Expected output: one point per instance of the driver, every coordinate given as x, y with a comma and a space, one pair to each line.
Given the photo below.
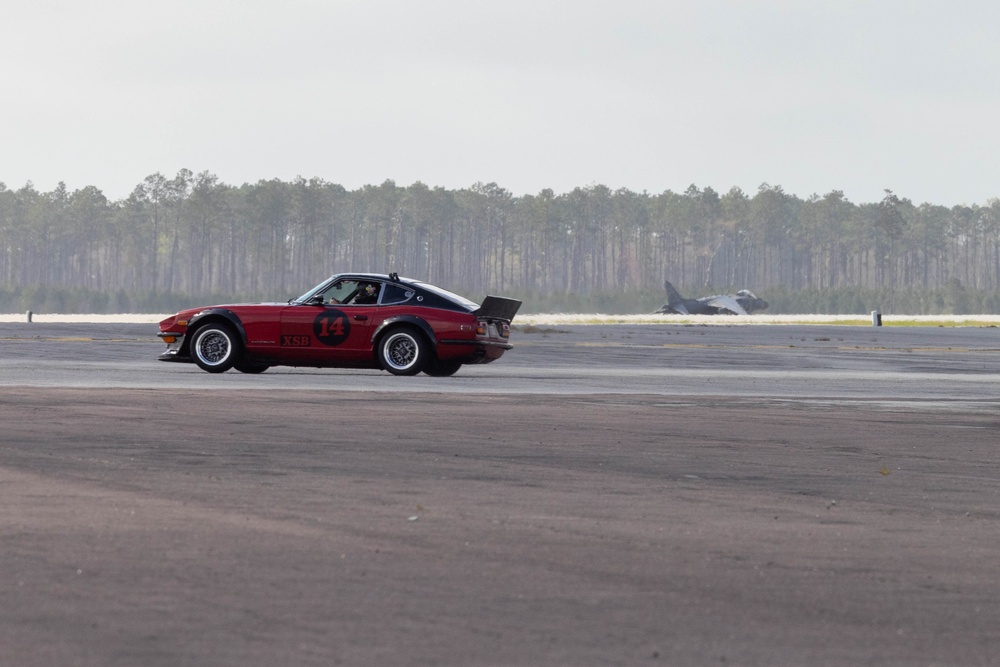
367, 293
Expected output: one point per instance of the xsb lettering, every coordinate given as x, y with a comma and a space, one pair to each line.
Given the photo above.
296, 341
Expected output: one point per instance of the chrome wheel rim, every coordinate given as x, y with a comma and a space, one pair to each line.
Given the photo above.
401, 351
213, 347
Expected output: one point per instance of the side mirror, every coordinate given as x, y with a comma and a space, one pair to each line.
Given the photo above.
316, 300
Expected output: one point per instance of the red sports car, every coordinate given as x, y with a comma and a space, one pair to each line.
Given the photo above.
362, 320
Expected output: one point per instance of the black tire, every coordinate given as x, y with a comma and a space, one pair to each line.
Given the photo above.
442, 369
250, 367
216, 348
403, 351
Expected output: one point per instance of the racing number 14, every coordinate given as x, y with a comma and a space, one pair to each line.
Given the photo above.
331, 326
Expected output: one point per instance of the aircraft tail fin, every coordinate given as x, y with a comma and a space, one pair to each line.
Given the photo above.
673, 296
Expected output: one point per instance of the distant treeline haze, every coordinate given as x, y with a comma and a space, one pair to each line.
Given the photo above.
191, 237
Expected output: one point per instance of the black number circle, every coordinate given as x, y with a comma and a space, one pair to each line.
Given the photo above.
331, 327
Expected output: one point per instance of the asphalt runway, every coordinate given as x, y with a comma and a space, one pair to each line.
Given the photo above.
660, 494
789, 361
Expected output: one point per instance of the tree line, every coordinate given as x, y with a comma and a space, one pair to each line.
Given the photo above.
192, 236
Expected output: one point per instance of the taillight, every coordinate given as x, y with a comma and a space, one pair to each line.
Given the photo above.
487, 329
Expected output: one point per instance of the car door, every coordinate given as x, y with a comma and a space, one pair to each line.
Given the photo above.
334, 332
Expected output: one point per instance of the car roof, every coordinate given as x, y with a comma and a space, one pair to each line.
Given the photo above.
412, 282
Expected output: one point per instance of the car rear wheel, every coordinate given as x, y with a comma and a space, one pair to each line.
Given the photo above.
216, 348
442, 369
403, 351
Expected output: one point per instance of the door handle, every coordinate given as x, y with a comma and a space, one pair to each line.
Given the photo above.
361, 318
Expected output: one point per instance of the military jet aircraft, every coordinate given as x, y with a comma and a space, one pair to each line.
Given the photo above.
741, 303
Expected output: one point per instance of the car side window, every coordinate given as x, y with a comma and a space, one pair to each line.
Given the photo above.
353, 293
366, 294
395, 294
340, 291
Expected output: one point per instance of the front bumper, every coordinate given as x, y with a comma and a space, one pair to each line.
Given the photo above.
174, 349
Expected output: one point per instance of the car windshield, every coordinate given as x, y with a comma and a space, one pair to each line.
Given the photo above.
311, 293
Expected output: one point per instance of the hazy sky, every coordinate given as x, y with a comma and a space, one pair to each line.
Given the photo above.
811, 95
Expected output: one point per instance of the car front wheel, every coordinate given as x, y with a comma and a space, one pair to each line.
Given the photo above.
250, 367
442, 369
216, 348
403, 352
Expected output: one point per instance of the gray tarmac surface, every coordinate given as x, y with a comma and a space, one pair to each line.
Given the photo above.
767, 495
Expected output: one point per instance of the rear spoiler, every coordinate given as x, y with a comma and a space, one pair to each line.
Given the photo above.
498, 306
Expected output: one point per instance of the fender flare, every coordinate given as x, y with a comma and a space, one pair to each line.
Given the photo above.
405, 319
216, 314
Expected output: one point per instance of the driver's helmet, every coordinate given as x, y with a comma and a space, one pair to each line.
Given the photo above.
369, 291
